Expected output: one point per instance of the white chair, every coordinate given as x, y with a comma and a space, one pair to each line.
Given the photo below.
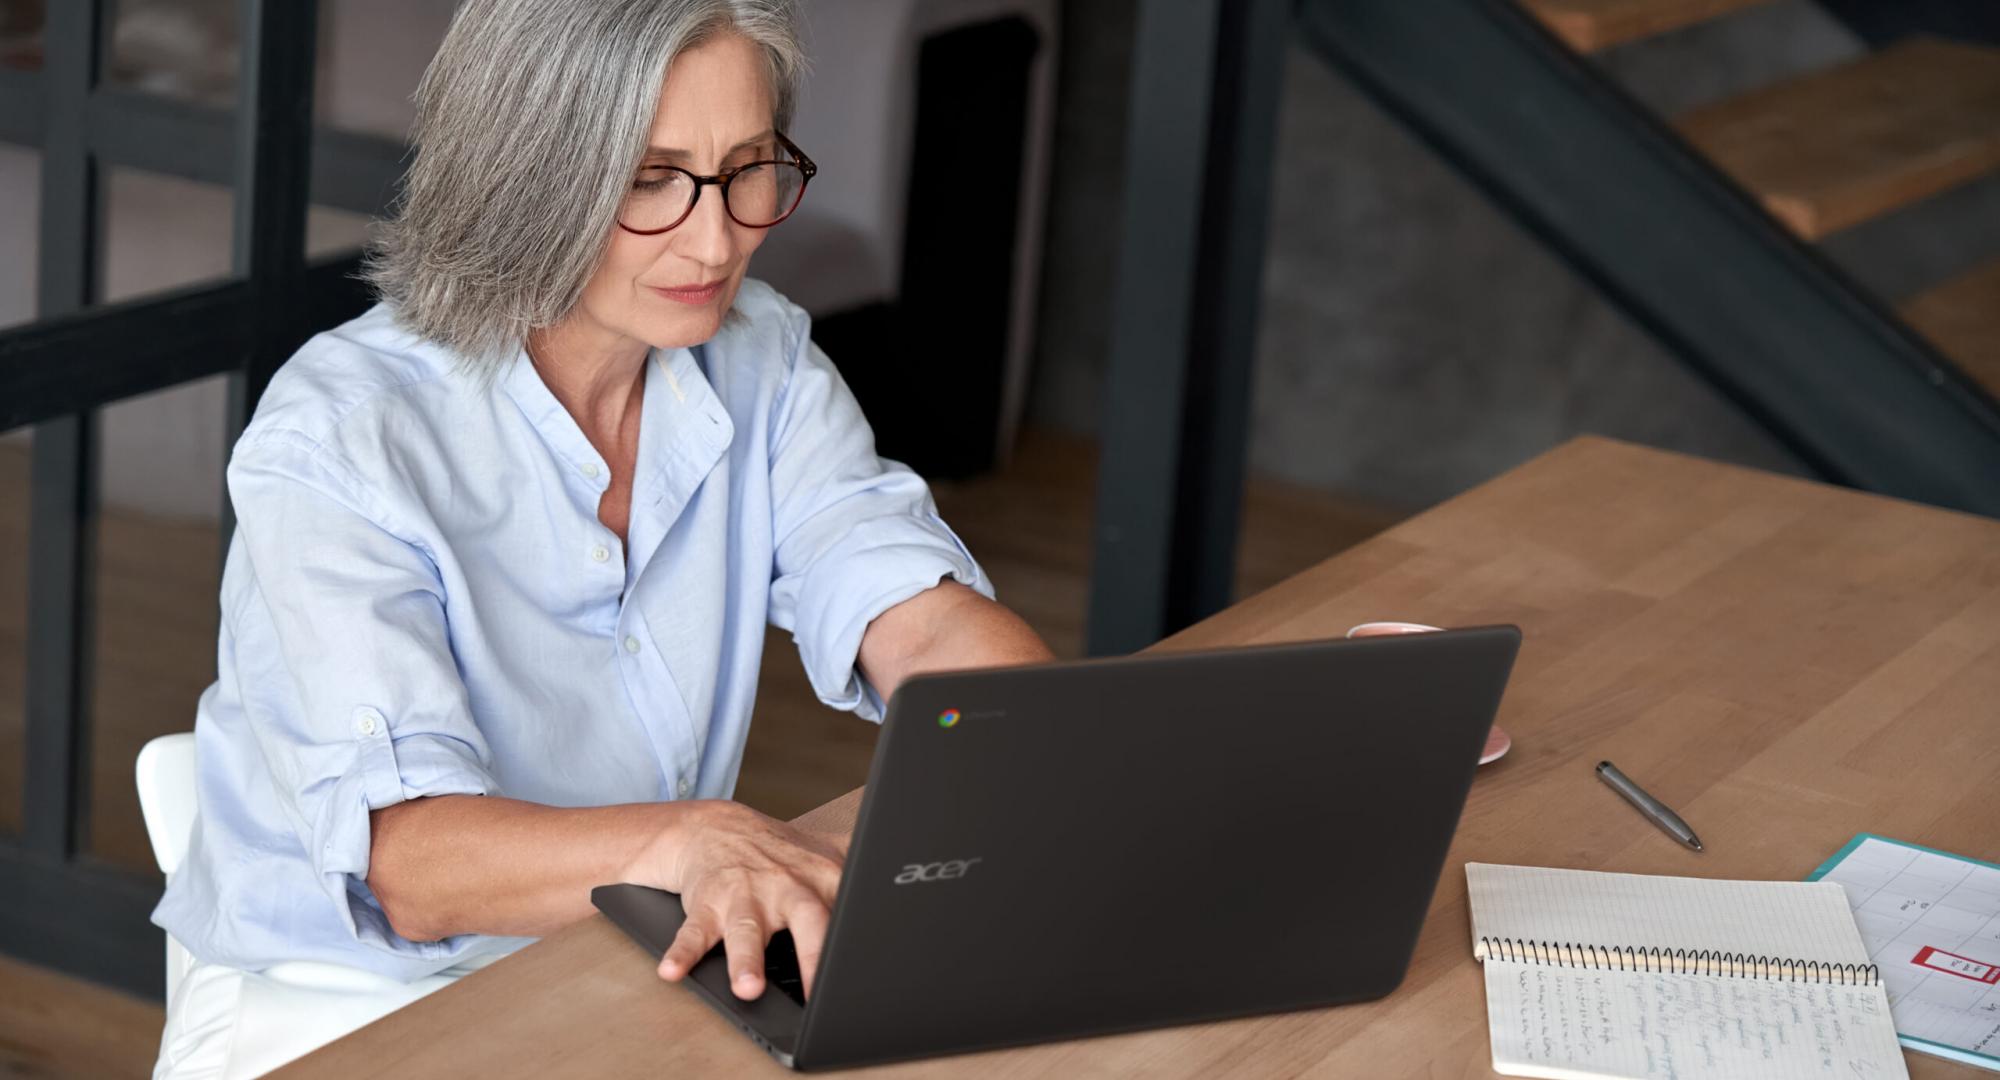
167, 802
299, 1004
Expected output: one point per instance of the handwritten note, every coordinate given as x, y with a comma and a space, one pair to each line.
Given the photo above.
1576, 1022
1932, 922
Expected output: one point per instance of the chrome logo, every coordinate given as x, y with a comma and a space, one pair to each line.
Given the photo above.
948, 717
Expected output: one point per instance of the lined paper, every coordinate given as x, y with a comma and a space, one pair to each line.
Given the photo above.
1565, 1023
1793, 920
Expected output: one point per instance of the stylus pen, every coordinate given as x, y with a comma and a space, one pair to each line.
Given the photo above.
1649, 806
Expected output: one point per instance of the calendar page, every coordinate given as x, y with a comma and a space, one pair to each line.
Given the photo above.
1931, 923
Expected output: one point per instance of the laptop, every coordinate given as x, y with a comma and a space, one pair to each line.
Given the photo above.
1082, 848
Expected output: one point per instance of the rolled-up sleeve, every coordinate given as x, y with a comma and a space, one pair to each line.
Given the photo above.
378, 714
854, 535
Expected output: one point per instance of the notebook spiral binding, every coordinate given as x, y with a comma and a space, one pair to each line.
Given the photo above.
1678, 962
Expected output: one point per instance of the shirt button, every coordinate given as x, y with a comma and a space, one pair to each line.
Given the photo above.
591, 470
631, 644
684, 787
368, 721
600, 553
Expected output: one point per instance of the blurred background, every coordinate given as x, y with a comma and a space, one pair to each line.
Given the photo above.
1228, 288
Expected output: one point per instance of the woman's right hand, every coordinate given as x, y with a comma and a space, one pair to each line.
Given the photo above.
741, 877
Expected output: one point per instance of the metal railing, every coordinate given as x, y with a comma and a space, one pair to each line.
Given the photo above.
1821, 363
61, 906
1679, 247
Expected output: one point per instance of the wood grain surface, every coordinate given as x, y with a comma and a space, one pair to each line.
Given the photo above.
1589, 25
1837, 147
1962, 318
1786, 664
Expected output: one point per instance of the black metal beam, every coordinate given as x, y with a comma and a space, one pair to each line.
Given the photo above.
62, 552
61, 365
1769, 321
59, 906
1222, 351
83, 917
21, 107
350, 171
356, 172
273, 147
332, 293
1882, 23
1184, 317
67, 253
62, 503
1145, 381
57, 366
156, 134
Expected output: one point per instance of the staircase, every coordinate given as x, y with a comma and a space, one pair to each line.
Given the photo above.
1839, 147
1962, 317
1590, 25
1706, 226
1836, 148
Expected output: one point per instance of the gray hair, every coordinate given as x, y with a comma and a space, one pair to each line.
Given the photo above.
531, 121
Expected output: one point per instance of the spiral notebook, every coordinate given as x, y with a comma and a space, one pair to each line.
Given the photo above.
1628, 975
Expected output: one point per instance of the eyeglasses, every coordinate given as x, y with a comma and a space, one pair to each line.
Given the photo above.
757, 195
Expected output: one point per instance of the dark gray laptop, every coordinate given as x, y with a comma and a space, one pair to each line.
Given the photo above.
1082, 848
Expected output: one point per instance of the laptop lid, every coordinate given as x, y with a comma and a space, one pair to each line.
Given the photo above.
1083, 848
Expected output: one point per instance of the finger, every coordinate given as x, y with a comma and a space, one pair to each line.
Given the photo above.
744, 935
807, 920
696, 936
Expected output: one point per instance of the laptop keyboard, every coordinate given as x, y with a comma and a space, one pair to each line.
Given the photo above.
781, 967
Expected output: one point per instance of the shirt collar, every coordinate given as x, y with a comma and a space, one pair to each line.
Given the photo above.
554, 423
683, 432
696, 425
683, 427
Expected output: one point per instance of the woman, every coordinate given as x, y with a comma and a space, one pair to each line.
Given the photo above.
507, 543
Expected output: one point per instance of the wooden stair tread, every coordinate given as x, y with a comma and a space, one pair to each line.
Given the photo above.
1840, 146
1589, 25
1962, 318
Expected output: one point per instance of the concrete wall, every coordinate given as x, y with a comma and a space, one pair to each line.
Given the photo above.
1414, 341
163, 453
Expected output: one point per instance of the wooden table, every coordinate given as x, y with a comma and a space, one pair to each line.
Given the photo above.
1787, 664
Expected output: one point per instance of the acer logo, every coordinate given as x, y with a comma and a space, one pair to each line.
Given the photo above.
937, 871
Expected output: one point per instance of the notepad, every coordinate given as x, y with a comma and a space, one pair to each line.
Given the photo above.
1628, 975
1931, 923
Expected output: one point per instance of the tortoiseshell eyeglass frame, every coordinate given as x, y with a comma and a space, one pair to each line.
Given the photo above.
722, 179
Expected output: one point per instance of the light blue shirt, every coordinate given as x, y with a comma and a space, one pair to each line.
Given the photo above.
420, 600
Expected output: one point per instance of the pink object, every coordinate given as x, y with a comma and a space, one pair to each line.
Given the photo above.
1498, 742
1378, 629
